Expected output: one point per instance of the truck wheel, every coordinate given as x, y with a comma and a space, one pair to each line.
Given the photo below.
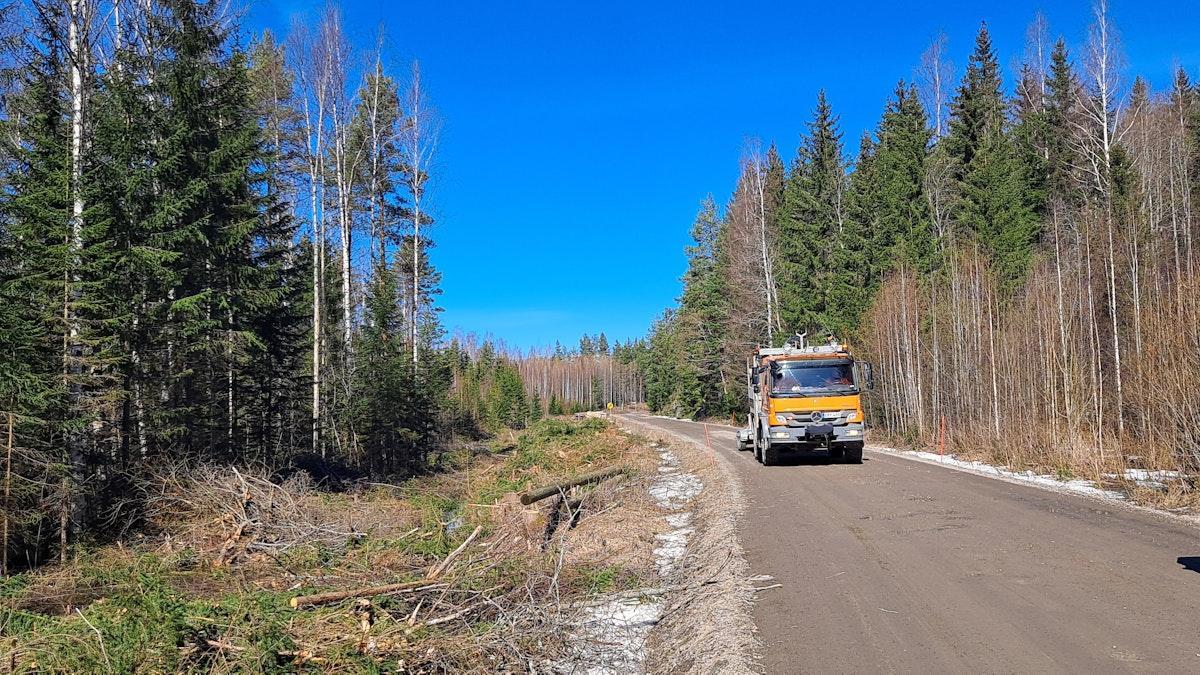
853, 453
770, 455
758, 444
837, 452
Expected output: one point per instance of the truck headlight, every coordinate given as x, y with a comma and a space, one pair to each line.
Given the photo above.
852, 432
779, 434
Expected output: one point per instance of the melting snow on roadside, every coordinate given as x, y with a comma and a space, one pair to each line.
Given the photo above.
672, 545
1155, 480
1076, 485
611, 636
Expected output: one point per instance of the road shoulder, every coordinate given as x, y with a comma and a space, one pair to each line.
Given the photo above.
707, 625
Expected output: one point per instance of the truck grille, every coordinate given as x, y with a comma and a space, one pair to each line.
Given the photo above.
806, 418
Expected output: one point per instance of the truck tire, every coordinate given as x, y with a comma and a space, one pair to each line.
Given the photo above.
758, 444
852, 453
770, 454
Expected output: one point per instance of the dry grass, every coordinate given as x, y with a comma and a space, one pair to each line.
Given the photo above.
706, 626
1176, 496
208, 588
1103, 464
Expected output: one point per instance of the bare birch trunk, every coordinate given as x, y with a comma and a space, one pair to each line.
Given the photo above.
420, 141
315, 78
74, 504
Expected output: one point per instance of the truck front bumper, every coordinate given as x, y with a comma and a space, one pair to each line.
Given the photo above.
817, 434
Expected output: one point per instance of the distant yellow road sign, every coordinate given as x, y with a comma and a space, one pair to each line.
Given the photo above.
610, 405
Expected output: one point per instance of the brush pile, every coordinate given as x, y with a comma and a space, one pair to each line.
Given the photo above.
238, 572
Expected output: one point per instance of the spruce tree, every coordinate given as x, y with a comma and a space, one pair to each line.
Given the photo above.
1031, 137
508, 406
977, 111
535, 408
658, 361
47, 278
994, 204
855, 269
904, 226
1062, 94
811, 219
703, 311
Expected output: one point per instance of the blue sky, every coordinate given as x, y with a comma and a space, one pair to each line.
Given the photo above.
579, 138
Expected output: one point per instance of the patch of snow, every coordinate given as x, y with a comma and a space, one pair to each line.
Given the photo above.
1144, 474
1075, 485
668, 417
611, 636
674, 490
672, 549
680, 519
1155, 480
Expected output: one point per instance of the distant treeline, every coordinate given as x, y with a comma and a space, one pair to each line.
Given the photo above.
494, 388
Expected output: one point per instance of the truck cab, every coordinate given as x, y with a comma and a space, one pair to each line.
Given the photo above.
805, 399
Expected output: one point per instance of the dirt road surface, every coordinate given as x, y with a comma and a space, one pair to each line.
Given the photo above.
897, 565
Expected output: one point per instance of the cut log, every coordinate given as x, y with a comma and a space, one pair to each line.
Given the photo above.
334, 596
551, 490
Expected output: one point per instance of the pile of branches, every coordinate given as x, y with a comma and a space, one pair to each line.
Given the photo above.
476, 610
236, 513
487, 606
484, 607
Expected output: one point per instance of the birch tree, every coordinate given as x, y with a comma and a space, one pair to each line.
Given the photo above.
934, 77
418, 146
79, 23
314, 68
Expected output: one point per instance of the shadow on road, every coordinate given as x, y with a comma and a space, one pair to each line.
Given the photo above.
1189, 562
811, 460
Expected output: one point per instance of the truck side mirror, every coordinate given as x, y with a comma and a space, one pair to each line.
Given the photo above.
756, 388
870, 370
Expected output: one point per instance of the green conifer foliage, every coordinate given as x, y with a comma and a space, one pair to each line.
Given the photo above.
508, 406
994, 204
184, 310
811, 219
905, 228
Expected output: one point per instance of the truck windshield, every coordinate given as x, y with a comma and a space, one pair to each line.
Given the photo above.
800, 379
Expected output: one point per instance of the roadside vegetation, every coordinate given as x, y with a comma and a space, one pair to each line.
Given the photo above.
1016, 259
243, 283
479, 583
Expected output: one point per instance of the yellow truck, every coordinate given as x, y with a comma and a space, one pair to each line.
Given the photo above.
804, 399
